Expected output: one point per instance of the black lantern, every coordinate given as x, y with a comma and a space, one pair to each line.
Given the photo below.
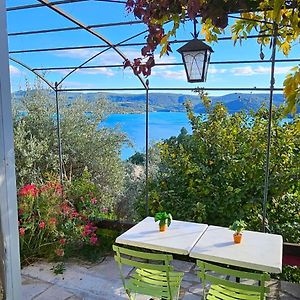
196, 57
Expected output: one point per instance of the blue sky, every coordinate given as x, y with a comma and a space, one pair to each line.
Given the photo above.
93, 12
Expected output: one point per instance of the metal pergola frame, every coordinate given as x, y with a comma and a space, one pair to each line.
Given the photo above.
107, 45
145, 84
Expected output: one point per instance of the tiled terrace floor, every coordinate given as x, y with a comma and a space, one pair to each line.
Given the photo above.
101, 281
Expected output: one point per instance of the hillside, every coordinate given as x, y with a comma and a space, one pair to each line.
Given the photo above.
173, 102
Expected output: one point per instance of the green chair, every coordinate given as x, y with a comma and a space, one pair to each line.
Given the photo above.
224, 289
153, 275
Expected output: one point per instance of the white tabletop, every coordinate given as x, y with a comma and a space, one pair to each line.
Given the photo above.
258, 251
179, 238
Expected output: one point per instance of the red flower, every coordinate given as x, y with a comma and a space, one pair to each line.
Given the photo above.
42, 225
28, 190
93, 240
62, 241
22, 231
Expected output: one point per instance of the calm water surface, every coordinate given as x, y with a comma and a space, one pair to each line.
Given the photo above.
162, 125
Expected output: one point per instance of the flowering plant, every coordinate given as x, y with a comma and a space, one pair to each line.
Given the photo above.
52, 223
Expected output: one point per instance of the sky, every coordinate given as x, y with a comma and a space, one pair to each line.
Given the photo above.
95, 12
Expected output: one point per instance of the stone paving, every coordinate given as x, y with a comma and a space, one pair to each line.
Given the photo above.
101, 281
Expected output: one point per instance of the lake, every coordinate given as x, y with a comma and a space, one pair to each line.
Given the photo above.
162, 125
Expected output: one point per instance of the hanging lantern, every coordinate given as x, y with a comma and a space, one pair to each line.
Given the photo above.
196, 57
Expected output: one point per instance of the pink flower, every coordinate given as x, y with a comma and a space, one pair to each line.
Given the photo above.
104, 210
93, 200
42, 225
59, 252
75, 214
28, 190
22, 231
93, 240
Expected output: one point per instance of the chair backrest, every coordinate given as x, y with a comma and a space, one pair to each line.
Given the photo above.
150, 266
211, 273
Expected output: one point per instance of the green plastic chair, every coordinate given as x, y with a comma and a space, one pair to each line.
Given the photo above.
224, 289
153, 275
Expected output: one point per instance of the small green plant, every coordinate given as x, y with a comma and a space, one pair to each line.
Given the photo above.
238, 226
58, 268
163, 218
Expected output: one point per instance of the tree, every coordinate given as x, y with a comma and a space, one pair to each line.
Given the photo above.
267, 17
84, 144
216, 174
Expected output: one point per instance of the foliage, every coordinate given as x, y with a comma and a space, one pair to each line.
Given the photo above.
135, 176
59, 268
84, 144
284, 216
292, 89
137, 158
267, 17
290, 273
163, 218
216, 174
53, 223
238, 226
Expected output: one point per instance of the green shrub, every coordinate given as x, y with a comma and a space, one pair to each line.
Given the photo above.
216, 174
84, 143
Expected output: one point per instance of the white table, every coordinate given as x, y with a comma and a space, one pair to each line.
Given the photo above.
179, 238
258, 251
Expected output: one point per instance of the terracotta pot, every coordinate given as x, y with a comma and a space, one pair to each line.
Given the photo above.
237, 237
163, 227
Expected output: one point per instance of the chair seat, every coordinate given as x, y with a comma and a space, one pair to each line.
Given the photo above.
217, 292
154, 283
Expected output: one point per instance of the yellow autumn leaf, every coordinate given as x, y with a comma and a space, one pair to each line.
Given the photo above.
285, 47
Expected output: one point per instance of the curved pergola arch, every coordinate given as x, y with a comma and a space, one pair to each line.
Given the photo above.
56, 89
145, 84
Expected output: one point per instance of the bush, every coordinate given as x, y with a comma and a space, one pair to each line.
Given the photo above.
53, 223
216, 174
84, 144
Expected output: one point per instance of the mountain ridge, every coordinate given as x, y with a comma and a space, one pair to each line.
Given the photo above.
172, 101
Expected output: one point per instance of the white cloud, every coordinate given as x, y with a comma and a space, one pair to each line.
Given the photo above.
260, 70
97, 71
79, 85
214, 70
14, 70
177, 75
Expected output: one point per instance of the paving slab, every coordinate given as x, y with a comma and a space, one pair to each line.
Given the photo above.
189, 296
54, 293
109, 269
289, 290
33, 287
101, 281
182, 266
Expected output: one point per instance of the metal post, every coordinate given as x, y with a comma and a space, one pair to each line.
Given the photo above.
267, 168
147, 148
58, 136
10, 272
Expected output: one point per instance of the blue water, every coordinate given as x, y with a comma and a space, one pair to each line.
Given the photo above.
162, 125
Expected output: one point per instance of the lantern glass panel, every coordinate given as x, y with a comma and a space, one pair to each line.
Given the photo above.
194, 61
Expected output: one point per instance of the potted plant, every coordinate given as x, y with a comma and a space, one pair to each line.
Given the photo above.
164, 219
238, 226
